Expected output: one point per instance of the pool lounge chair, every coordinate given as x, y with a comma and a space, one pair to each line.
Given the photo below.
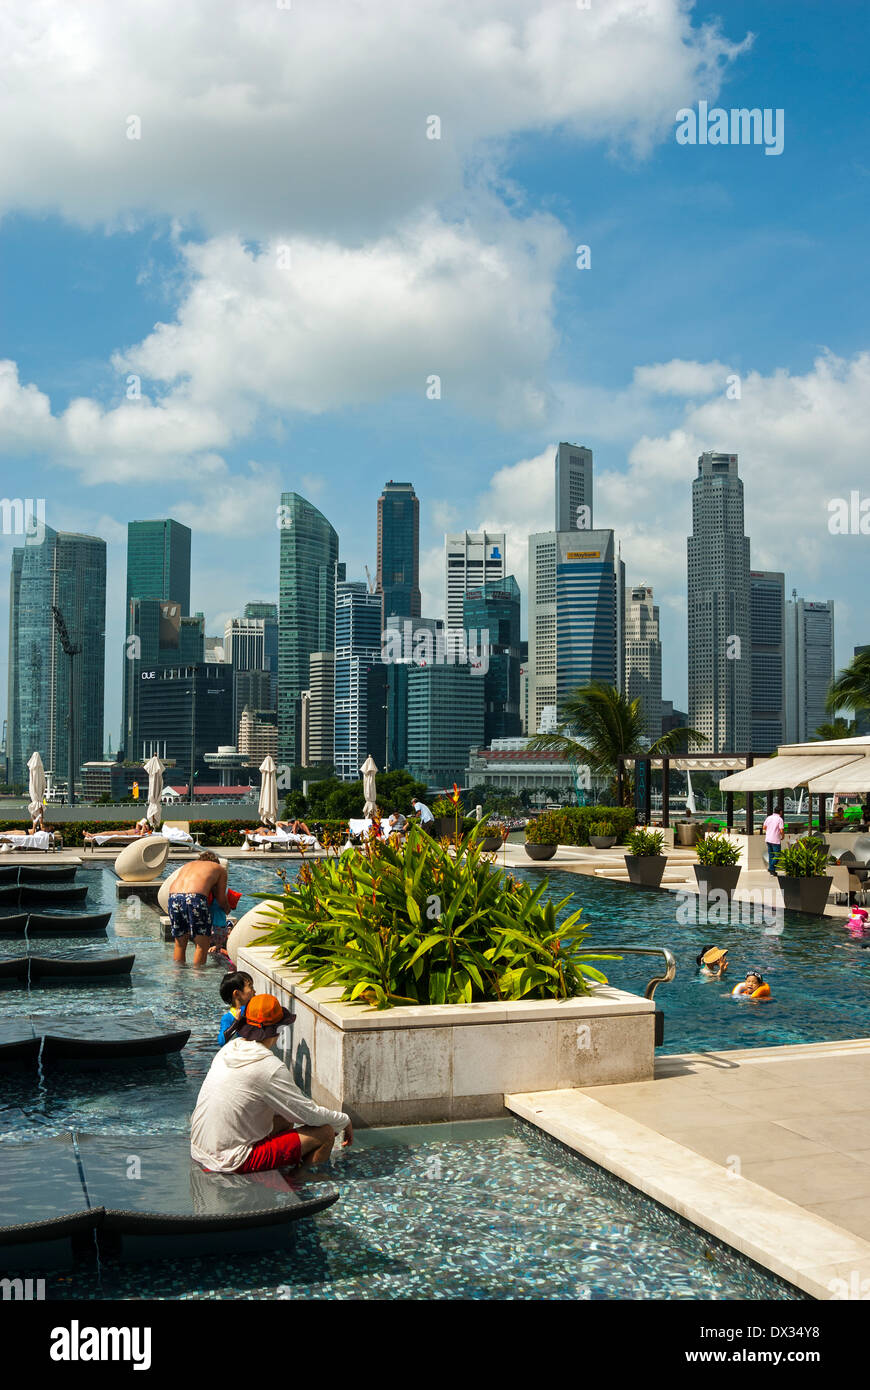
282, 839
41, 839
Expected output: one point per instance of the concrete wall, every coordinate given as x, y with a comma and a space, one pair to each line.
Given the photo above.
449, 1062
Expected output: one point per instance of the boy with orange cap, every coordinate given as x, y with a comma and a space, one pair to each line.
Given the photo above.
249, 1116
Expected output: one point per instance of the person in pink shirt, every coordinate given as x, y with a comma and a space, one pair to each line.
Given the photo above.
774, 829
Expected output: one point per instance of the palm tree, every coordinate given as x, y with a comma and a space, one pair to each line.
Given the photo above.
599, 723
851, 689
838, 728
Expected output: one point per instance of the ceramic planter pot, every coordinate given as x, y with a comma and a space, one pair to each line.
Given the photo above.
718, 877
143, 860
646, 870
687, 832
602, 841
540, 851
805, 894
490, 843
250, 928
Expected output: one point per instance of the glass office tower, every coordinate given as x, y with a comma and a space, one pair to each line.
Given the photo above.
398, 573
308, 573
494, 608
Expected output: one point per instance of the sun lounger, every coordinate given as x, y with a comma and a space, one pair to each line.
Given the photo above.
282, 839
41, 839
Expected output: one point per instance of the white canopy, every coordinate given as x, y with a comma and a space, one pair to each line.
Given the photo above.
854, 777
788, 770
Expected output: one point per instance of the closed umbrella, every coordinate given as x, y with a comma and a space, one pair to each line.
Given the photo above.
268, 808
154, 768
370, 791
36, 788
691, 808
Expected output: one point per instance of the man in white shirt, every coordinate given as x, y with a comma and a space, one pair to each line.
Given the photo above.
421, 810
774, 829
249, 1116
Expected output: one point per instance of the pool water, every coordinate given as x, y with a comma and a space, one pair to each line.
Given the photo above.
478, 1210
819, 977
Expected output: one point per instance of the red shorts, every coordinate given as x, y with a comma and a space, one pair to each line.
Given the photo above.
281, 1151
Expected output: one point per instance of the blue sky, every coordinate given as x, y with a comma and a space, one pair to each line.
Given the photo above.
410, 257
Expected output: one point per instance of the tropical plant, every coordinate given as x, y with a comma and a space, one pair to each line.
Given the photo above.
718, 850
598, 723
423, 924
442, 806
601, 828
851, 689
837, 728
806, 858
643, 844
543, 829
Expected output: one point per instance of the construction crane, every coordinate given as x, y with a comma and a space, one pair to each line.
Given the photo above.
69, 650
372, 586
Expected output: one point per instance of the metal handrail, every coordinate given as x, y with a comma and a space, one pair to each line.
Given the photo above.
649, 992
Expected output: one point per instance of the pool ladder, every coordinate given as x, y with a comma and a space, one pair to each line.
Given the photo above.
649, 992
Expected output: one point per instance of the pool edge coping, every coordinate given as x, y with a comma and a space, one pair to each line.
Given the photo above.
768, 1229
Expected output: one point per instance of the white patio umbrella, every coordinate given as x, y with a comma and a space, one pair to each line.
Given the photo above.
154, 768
36, 789
691, 808
370, 791
268, 808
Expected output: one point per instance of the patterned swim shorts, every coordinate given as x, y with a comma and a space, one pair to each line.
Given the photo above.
189, 915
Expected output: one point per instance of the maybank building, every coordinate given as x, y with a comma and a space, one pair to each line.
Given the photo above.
576, 608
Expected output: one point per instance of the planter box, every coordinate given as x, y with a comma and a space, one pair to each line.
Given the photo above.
687, 834
425, 1063
602, 841
718, 877
540, 851
805, 894
646, 870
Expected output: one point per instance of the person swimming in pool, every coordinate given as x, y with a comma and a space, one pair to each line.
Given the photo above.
753, 987
712, 961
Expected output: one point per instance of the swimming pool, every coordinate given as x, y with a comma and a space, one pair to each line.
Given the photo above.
478, 1210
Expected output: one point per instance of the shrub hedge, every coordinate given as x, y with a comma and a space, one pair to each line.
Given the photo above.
571, 825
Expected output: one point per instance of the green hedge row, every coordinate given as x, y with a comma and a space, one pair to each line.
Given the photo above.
571, 825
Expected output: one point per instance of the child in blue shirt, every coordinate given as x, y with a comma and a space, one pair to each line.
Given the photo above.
237, 988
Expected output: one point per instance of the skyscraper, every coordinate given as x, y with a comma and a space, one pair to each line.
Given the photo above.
398, 573
158, 635
321, 708
13, 761
643, 656
494, 608
445, 721
720, 658
308, 572
158, 567
66, 571
576, 616
472, 558
268, 612
809, 666
357, 648
573, 488
767, 610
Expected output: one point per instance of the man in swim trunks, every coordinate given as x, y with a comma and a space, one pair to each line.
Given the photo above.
189, 908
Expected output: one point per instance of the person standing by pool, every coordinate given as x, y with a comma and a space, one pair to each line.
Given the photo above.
249, 1116
189, 908
774, 829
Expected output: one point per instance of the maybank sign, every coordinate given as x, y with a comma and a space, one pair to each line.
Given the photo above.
583, 555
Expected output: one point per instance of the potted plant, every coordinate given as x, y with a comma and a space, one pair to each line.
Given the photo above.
645, 861
542, 836
803, 877
718, 863
445, 817
602, 834
492, 838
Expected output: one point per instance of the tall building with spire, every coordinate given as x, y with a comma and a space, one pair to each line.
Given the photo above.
308, 571
398, 573
719, 628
